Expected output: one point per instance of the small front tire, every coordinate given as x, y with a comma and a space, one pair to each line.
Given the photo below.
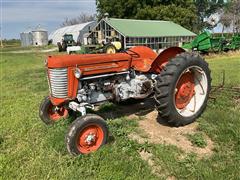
60, 49
86, 134
49, 113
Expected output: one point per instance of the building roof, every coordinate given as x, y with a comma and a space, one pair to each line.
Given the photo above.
147, 28
39, 29
57, 35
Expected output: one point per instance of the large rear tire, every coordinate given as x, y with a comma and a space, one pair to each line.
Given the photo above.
182, 89
86, 134
110, 49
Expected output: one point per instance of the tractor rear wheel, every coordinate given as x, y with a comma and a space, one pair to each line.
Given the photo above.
49, 113
182, 89
110, 49
86, 134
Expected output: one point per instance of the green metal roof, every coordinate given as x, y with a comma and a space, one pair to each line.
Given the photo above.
147, 28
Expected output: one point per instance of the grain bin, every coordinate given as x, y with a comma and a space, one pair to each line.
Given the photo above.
40, 37
26, 38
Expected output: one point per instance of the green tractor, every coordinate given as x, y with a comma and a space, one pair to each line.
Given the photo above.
111, 47
67, 41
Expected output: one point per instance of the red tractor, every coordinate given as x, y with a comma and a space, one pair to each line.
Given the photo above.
179, 81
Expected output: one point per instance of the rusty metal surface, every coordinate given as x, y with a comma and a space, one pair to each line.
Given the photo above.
141, 58
164, 57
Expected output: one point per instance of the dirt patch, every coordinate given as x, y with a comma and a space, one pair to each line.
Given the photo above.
156, 169
161, 134
237, 100
146, 156
171, 178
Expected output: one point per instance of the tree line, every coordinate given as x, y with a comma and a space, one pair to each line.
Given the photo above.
191, 14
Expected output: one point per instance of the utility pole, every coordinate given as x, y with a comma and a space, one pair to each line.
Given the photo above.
1, 43
1, 19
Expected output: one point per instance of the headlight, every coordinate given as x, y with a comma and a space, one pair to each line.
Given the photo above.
77, 73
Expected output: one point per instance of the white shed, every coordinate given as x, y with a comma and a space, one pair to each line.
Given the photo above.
56, 36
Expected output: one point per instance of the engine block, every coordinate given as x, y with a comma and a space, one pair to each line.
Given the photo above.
117, 88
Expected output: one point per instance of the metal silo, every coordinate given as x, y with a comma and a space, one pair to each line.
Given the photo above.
40, 37
26, 38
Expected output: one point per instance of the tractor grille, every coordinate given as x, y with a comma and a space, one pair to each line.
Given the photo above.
58, 82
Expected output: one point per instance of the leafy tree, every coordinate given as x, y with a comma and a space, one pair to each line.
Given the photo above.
205, 8
188, 13
231, 16
172, 12
179, 11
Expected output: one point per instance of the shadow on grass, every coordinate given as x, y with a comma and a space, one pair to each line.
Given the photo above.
130, 108
127, 108
108, 111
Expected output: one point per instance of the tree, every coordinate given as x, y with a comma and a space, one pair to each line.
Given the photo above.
82, 18
182, 12
231, 16
188, 13
172, 12
205, 8
226, 21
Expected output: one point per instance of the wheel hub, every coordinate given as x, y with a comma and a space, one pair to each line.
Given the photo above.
90, 139
184, 90
55, 113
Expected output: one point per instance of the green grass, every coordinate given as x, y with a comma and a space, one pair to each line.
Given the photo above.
11, 43
17, 47
108, 106
31, 150
197, 139
230, 65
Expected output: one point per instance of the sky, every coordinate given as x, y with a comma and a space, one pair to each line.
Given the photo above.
19, 15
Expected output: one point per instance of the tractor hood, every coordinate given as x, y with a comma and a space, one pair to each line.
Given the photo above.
139, 58
64, 61
91, 64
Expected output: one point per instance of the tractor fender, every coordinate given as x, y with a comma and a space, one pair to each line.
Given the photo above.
142, 58
163, 58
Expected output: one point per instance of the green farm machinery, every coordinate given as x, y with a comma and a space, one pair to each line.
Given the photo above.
206, 42
108, 48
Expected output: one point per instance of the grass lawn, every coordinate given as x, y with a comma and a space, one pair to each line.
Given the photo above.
31, 150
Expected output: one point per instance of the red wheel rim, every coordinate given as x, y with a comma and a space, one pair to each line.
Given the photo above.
90, 139
184, 90
57, 113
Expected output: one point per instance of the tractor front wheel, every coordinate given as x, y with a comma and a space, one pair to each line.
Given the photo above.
60, 48
86, 134
182, 89
49, 113
64, 46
